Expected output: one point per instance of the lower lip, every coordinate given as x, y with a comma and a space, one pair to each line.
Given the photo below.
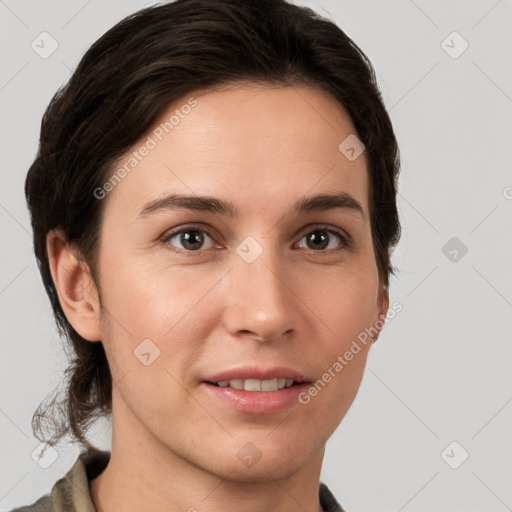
257, 402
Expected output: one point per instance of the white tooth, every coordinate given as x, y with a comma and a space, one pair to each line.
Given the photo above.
252, 385
289, 382
269, 385
281, 382
236, 384
223, 383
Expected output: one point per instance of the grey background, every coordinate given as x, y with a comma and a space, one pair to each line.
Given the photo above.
441, 370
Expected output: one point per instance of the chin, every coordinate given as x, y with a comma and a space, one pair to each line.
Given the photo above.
259, 460
275, 468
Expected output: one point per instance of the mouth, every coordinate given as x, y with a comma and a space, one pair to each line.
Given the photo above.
274, 384
256, 391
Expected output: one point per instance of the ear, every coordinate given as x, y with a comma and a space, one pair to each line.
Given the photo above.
383, 301
75, 287
383, 306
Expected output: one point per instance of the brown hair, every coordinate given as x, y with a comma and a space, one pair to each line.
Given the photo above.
122, 85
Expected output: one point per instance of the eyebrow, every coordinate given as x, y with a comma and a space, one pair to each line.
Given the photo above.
317, 203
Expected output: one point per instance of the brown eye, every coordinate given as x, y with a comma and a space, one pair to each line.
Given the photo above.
323, 238
191, 239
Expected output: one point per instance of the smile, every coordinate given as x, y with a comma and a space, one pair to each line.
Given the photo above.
256, 384
256, 390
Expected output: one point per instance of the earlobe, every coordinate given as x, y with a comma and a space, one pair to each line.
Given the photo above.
383, 307
383, 302
75, 287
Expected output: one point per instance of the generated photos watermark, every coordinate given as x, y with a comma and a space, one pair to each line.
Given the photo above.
144, 149
343, 360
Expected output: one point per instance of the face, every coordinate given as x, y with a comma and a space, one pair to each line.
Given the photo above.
250, 287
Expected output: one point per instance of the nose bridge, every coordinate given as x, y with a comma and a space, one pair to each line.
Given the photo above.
260, 299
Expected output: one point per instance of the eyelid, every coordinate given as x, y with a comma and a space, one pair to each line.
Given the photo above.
326, 227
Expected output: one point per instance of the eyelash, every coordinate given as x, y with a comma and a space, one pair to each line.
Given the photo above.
345, 242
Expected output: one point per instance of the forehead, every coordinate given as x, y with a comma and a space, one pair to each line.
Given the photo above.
254, 142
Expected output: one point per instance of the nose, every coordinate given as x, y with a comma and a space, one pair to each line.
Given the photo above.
260, 302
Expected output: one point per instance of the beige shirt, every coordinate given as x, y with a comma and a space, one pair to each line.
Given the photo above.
71, 493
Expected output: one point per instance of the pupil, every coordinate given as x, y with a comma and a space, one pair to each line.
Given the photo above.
319, 241
194, 241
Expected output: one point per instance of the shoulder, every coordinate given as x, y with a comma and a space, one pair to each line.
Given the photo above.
43, 504
71, 492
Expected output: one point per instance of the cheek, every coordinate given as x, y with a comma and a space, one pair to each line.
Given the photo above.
151, 299
153, 334
344, 305
171, 307
345, 308
344, 301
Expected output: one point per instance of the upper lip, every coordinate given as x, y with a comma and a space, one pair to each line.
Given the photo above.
254, 372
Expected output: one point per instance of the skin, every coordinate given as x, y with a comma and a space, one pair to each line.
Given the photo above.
174, 446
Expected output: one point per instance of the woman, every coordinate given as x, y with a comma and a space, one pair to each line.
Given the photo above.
214, 206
